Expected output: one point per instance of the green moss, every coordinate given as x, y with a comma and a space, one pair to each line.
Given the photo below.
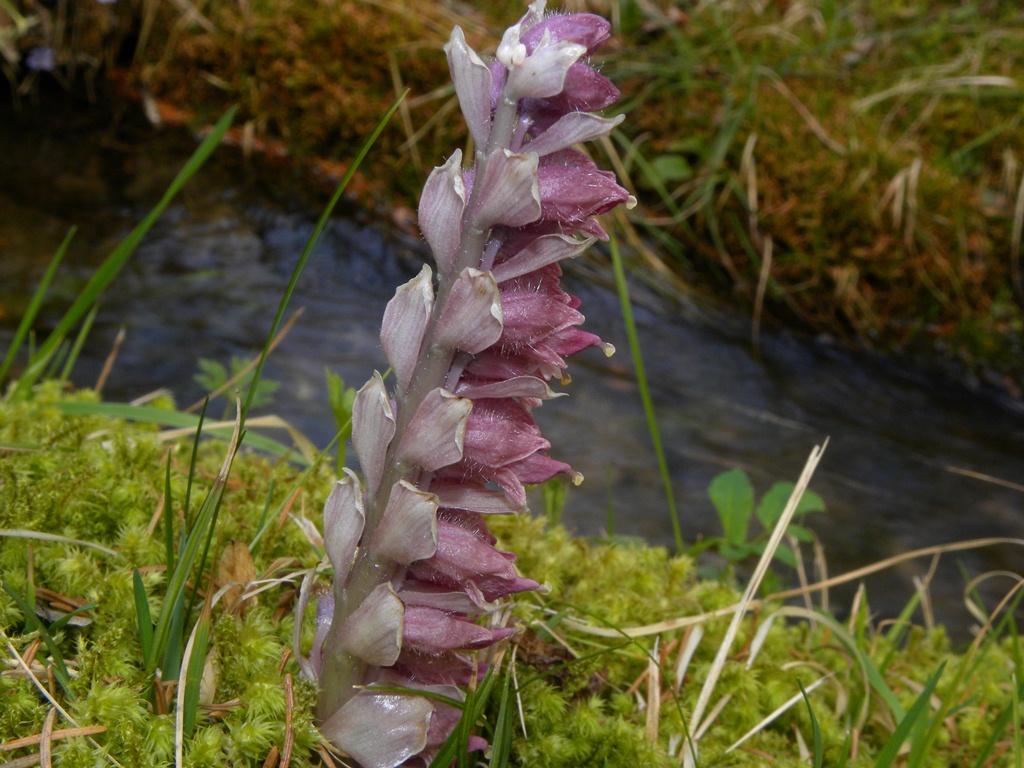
583, 696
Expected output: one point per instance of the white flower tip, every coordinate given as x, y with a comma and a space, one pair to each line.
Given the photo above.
511, 53
609, 349
456, 38
543, 589
630, 202
577, 478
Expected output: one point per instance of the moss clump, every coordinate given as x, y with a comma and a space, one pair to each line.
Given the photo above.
583, 684
100, 481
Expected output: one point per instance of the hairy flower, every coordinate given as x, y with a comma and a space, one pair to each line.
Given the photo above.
473, 347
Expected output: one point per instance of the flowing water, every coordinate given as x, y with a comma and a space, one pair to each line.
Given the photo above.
207, 280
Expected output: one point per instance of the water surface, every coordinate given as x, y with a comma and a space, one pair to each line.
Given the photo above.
206, 284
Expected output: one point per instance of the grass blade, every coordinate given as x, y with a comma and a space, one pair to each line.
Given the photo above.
819, 748
887, 755
60, 670
504, 725
76, 348
198, 537
645, 391
194, 666
34, 305
144, 616
310, 244
169, 518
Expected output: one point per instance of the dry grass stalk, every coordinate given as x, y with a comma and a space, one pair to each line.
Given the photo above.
754, 584
46, 740
937, 84
49, 696
653, 694
108, 364
778, 712
810, 120
55, 735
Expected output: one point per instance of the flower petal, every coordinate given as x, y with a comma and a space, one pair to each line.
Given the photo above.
549, 249
373, 428
405, 321
435, 435
542, 74
587, 29
440, 213
518, 387
373, 631
380, 730
343, 523
469, 600
471, 318
474, 498
500, 432
463, 557
573, 128
408, 529
573, 194
432, 631
508, 192
472, 81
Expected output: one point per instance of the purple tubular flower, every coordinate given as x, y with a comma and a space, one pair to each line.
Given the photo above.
473, 346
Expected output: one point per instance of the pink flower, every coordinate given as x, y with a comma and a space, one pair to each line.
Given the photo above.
473, 347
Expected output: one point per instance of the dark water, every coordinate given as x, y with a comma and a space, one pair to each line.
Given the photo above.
207, 280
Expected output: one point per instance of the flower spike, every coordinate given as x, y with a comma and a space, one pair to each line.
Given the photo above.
473, 347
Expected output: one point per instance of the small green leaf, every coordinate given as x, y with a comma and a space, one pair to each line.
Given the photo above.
800, 533
770, 508
341, 400
671, 168
212, 375
733, 497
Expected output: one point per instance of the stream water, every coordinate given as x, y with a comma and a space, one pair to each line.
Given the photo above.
207, 280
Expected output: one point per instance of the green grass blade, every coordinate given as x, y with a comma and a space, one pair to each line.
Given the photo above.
887, 755
34, 306
144, 617
197, 648
168, 656
310, 244
197, 540
504, 725
473, 709
299, 482
1018, 749
819, 747
998, 730
645, 391
59, 624
113, 264
76, 348
60, 669
169, 518
192, 461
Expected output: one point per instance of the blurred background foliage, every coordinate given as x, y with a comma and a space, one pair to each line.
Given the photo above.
854, 169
